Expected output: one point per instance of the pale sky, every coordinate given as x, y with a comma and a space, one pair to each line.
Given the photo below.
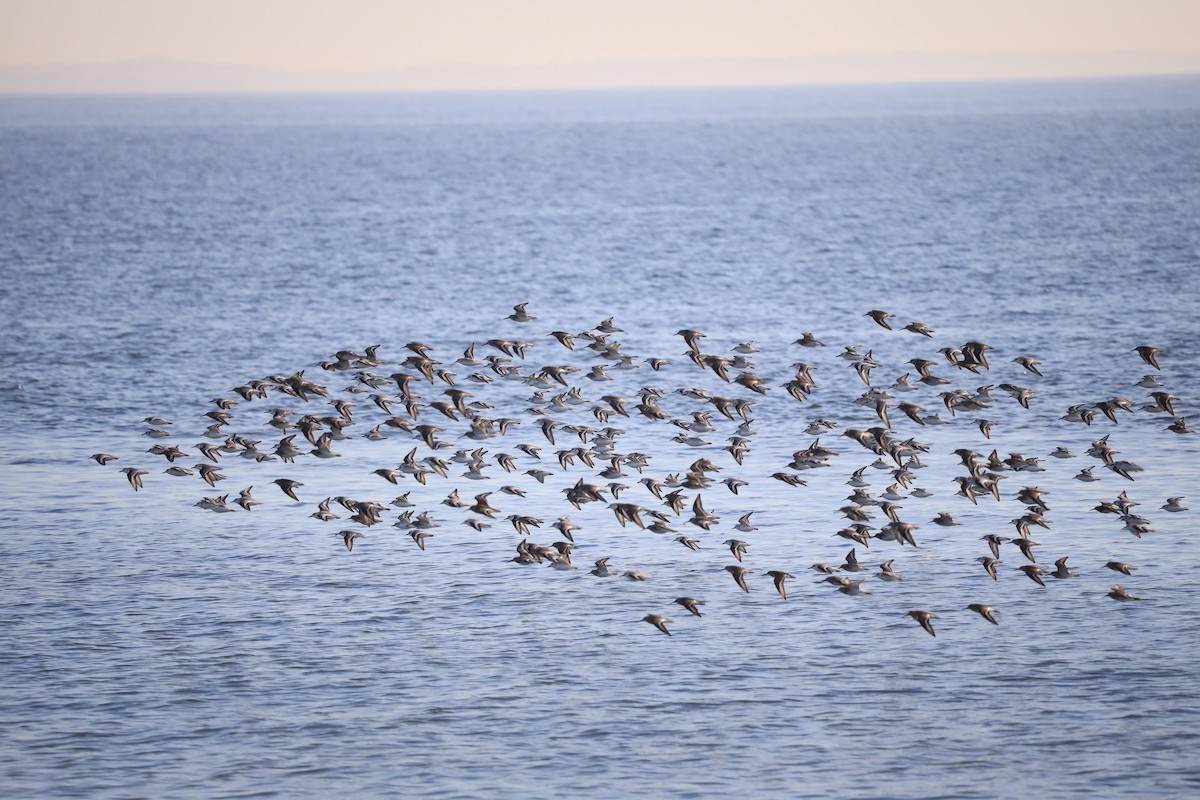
390, 34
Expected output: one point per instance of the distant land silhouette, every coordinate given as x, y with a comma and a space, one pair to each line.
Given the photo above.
168, 76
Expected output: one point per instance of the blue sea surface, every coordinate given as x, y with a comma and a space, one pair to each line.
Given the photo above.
157, 252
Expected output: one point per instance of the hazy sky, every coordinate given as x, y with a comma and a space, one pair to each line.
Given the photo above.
386, 34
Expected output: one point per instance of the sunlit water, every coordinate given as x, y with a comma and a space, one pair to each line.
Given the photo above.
158, 252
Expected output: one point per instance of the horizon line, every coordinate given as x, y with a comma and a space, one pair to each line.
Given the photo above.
174, 76
5, 94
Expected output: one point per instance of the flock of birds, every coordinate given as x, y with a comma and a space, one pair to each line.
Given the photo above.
571, 432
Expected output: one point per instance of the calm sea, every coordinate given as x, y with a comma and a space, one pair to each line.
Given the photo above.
157, 252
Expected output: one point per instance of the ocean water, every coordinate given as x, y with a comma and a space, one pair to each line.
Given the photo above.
157, 252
